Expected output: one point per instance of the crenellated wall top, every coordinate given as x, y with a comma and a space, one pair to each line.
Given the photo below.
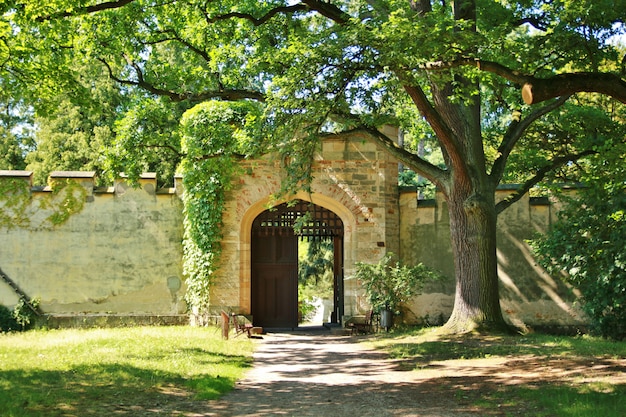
146, 181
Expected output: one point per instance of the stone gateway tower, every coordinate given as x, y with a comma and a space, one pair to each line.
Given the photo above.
355, 201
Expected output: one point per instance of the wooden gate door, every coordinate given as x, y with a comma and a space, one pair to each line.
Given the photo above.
274, 286
275, 281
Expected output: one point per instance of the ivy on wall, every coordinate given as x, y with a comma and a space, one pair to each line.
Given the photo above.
215, 136
68, 198
15, 200
19, 209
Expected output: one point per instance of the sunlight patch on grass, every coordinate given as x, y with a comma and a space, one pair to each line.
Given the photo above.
50, 371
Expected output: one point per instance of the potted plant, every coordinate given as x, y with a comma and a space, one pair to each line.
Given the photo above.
388, 284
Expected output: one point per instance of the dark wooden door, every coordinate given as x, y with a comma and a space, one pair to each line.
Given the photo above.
275, 280
274, 266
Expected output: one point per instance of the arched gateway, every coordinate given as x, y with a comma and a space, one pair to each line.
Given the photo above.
353, 182
274, 260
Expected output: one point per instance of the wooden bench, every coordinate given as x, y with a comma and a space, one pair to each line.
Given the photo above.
365, 326
241, 328
225, 324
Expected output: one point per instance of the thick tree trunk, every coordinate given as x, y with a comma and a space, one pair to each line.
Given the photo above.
455, 116
473, 236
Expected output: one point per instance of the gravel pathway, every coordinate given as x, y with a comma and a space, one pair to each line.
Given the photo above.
319, 374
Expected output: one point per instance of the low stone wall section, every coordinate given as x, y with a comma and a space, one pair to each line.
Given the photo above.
528, 295
121, 253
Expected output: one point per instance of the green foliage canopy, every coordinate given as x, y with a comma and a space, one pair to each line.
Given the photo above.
318, 66
585, 246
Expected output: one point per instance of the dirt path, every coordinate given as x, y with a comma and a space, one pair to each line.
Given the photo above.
319, 374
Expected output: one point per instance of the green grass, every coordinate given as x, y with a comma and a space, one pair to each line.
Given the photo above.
538, 375
125, 371
428, 344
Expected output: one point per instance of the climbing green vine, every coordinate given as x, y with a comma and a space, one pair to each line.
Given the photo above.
15, 200
215, 135
68, 198
18, 208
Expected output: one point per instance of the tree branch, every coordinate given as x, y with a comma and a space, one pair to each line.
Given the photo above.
514, 133
536, 90
176, 37
421, 6
261, 20
326, 9
171, 148
433, 173
87, 10
445, 135
539, 175
223, 94
488, 66
535, 22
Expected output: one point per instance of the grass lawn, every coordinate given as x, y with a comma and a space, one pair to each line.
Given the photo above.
126, 371
531, 375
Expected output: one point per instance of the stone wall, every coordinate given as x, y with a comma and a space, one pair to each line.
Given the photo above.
120, 254
528, 295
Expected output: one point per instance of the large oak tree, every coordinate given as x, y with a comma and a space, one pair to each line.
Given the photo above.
480, 74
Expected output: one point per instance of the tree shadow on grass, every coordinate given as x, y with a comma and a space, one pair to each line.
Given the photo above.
474, 347
108, 389
468, 393
519, 373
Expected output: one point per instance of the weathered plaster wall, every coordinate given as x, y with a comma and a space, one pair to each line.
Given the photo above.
527, 294
121, 253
